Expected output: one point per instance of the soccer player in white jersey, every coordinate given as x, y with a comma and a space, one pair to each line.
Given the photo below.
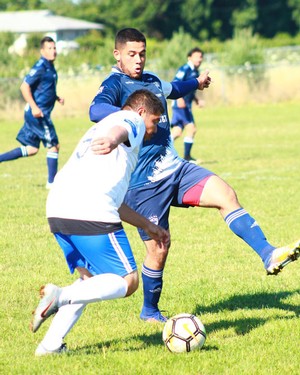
84, 210
162, 179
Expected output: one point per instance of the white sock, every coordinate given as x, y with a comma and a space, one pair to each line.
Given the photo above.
97, 288
63, 321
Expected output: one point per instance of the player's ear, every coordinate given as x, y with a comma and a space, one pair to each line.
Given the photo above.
117, 54
141, 111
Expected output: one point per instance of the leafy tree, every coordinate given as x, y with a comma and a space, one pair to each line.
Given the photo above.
244, 57
21, 5
295, 6
175, 51
245, 15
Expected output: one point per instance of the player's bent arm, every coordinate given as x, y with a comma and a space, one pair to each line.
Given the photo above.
27, 95
107, 100
100, 110
154, 231
104, 145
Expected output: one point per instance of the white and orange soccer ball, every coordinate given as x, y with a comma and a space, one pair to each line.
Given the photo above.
183, 333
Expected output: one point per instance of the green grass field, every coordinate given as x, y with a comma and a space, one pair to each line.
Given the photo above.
252, 320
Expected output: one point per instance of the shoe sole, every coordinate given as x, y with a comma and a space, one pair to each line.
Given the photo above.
294, 255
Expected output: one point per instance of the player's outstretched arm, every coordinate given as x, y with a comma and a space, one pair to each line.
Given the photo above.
154, 231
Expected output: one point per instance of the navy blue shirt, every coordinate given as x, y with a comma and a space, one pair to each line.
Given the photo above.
42, 80
185, 73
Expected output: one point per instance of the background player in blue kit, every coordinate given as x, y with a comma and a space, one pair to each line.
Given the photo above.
85, 208
39, 91
162, 179
182, 116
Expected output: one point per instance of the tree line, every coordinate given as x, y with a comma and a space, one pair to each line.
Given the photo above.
202, 19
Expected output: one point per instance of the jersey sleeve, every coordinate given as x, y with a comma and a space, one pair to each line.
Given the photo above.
135, 127
107, 99
35, 74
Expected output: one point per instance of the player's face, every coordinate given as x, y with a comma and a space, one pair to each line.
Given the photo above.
196, 59
151, 122
49, 51
131, 58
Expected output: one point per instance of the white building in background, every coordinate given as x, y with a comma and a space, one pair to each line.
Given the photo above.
63, 30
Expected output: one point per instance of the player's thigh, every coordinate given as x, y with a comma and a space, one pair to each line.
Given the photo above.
106, 253
190, 186
29, 138
72, 255
218, 194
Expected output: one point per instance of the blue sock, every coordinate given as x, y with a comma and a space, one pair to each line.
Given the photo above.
52, 162
152, 286
188, 144
17, 153
244, 226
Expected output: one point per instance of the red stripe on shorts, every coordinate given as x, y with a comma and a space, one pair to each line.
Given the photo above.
193, 195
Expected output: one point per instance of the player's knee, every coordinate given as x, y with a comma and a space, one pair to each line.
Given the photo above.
84, 273
133, 283
32, 150
55, 148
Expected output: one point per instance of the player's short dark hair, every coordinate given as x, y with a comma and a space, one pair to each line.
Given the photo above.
145, 98
193, 50
129, 35
46, 39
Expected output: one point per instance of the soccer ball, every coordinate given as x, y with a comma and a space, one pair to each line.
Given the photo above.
184, 333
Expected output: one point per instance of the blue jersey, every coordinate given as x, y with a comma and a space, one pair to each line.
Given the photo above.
42, 80
184, 73
158, 157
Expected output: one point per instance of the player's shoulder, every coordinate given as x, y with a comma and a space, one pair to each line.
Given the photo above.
150, 76
114, 77
182, 71
128, 119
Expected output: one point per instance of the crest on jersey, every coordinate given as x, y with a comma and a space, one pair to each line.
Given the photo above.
32, 72
154, 219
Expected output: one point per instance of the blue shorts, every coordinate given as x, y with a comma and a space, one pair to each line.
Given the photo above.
103, 253
182, 117
37, 130
154, 200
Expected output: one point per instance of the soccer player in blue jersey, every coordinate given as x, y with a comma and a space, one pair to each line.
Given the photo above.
39, 91
182, 116
162, 179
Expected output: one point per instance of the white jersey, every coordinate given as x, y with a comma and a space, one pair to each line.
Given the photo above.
92, 187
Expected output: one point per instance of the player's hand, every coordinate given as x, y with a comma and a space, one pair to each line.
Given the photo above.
60, 100
204, 80
37, 112
157, 233
103, 145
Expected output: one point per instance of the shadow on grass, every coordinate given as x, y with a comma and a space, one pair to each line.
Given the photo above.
139, 343
247, 302
241, 326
